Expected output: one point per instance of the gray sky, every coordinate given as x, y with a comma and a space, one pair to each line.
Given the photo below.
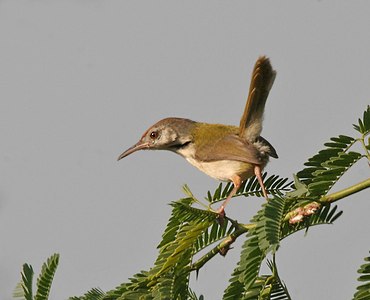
81, 80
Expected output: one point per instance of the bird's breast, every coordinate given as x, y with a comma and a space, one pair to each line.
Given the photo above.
224, 170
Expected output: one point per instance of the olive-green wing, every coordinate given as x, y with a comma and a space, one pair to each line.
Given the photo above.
231, 147
263, 77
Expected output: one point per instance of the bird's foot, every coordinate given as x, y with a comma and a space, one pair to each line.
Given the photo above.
221, 215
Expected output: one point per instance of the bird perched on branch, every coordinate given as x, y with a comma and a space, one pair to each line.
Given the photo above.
225, 152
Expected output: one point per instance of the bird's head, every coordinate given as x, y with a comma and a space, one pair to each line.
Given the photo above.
167, 134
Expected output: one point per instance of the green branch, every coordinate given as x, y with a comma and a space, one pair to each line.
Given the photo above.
326, 199
222, 247
345, 192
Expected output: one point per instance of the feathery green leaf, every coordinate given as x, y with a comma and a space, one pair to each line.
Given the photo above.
245, 273
46, 276
364, 124
268, 227
93, 294
327, 214
24, 287
214, 233
363, 291
274, 185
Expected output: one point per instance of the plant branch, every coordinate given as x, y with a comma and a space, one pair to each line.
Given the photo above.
326, 199
345, 192
222, 247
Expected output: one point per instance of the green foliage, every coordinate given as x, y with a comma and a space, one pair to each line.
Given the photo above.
279, 291
263, 239
187, 231
137, 286
93, 294
274, 185
363, 291
44, 281
268, 226
264, 287
245, 273
214, 233
260, 289
363, 126
325, 215
24, 287
191, 230
325, 168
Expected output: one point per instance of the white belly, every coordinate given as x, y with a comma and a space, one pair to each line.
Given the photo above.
224, 169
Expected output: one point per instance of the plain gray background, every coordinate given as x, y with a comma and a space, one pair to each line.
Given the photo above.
81, 80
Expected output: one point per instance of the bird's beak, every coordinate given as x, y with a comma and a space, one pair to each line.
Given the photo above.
138, 146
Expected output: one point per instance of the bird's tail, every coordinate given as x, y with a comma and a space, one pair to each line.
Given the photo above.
263, 77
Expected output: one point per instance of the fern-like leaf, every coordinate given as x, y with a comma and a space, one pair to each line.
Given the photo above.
187, 213
136, 287
24, 287
268, 227
363, 291
184, 229
177, 284
185, 240
169, 277
325, 168
325, 215
274, 185
267, 287
279, 291
93, 294
214, 233
364, 124
335, 167
245, 273
175, 221
46, 276
258, 290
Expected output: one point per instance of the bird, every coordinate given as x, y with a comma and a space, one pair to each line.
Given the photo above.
224, 152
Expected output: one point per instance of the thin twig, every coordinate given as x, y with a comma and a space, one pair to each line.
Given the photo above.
222, 246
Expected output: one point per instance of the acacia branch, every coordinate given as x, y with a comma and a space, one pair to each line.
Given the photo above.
345, 192
222, 247
326, 199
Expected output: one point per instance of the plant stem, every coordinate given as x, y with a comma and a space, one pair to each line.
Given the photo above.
326, 199
225, 244
345, 192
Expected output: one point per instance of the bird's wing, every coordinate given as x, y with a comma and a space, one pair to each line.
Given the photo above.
231, 147
263, 77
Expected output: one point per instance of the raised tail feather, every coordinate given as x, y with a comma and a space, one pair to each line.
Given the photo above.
263, 77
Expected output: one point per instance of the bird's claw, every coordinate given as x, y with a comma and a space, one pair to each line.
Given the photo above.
221, 215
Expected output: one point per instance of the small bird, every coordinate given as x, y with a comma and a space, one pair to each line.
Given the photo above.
224, 152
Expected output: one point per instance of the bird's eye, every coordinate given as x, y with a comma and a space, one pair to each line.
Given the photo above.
154, 135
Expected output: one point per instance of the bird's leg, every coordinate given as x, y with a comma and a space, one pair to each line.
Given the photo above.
257, 172
237, 182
